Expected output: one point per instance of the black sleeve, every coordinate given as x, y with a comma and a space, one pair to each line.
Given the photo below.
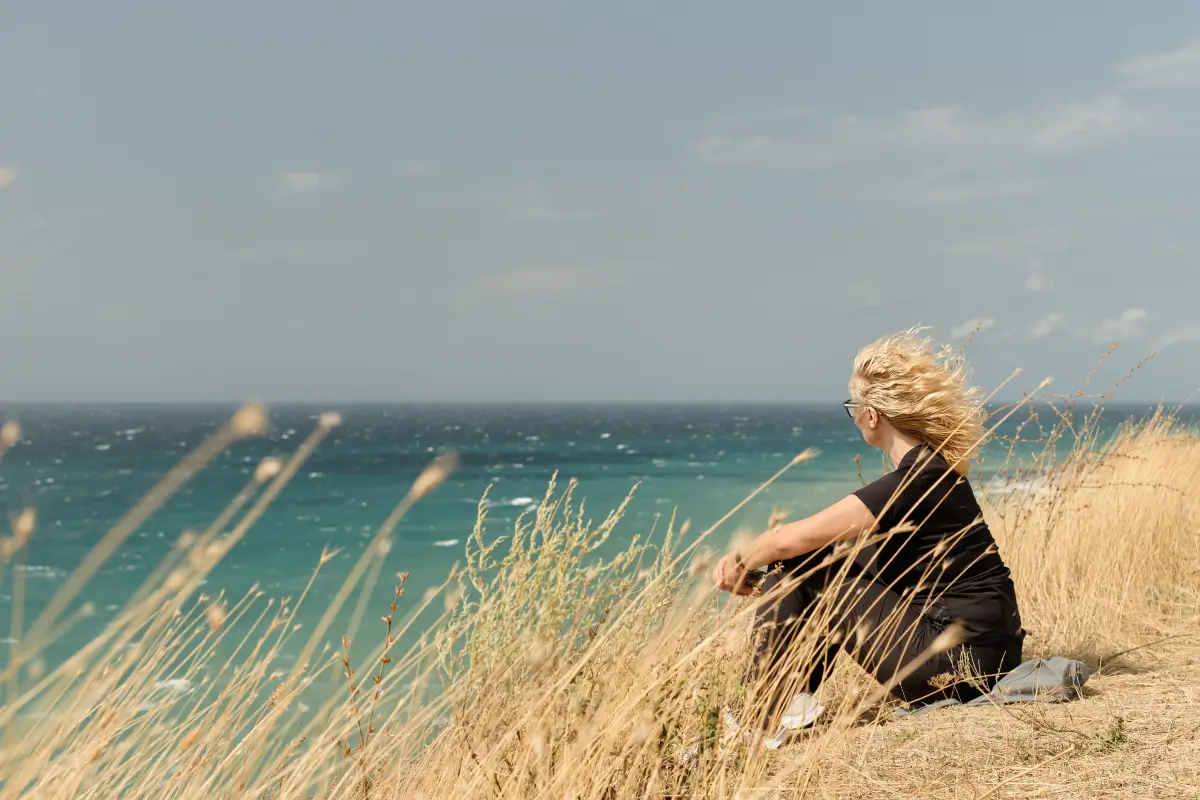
877, 494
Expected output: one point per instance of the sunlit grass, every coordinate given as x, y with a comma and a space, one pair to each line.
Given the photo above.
555, 671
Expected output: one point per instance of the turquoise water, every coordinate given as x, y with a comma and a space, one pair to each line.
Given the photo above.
83, 467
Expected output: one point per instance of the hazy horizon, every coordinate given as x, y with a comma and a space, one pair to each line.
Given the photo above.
336, 405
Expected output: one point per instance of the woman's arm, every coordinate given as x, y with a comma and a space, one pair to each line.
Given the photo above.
845, 519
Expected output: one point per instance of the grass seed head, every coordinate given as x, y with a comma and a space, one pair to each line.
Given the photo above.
215, 616
175, 580
434, 475
807, 455
267, 468
10, 433
25, 523
196, 557
329, 420
249, 421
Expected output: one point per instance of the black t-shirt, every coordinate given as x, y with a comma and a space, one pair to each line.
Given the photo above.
950, 561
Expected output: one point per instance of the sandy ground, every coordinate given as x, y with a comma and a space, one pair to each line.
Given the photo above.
1135, 734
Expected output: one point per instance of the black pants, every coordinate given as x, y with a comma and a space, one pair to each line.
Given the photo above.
880, 629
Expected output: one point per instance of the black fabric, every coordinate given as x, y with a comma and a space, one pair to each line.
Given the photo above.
879, 627
950, 562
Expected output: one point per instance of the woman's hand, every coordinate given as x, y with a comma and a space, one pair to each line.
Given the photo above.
729, 577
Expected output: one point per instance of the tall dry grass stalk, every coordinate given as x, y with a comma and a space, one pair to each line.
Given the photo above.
552, 671
1104, 538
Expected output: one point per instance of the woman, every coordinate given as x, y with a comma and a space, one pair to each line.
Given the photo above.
935, 561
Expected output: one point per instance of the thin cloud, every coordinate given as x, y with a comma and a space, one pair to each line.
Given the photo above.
1179, 67
936, 131
1038, 280
1129, 325
291, 183
8, 174
1184, 334
1047, 326
1107, 118
973, 326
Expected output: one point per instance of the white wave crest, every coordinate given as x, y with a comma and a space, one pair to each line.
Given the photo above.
516, 502
1032, 487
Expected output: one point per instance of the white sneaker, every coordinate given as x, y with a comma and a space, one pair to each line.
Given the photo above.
802, 712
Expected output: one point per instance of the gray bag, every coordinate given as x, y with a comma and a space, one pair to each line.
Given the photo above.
1039, 680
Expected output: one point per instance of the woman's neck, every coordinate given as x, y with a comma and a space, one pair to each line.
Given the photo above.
898, 445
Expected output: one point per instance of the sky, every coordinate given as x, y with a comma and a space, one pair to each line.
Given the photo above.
618, 201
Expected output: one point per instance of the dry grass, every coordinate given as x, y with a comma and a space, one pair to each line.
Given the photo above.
554, 673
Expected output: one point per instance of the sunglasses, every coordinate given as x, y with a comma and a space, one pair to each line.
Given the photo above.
850, 405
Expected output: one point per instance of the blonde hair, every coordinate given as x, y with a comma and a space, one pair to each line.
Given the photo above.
922, 393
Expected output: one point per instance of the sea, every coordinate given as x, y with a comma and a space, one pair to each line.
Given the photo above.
82, 467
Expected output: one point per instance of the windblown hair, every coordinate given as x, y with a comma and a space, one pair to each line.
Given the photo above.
922, 393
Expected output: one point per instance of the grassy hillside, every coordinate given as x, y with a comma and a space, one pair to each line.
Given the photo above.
553, 673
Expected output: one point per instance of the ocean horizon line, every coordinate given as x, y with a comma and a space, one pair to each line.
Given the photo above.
335, 405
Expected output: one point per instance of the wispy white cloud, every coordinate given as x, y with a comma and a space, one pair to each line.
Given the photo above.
1179, 67
1038, 280
973, 326
1107, 118
8, 174
303, 182
1129, 325
542, 282
1047, 326
945, 131
1184, 334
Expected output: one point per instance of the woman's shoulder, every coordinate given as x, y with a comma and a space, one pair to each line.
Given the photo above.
878, 493
911, 481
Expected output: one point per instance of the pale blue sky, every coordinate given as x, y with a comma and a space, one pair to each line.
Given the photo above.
610, 201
